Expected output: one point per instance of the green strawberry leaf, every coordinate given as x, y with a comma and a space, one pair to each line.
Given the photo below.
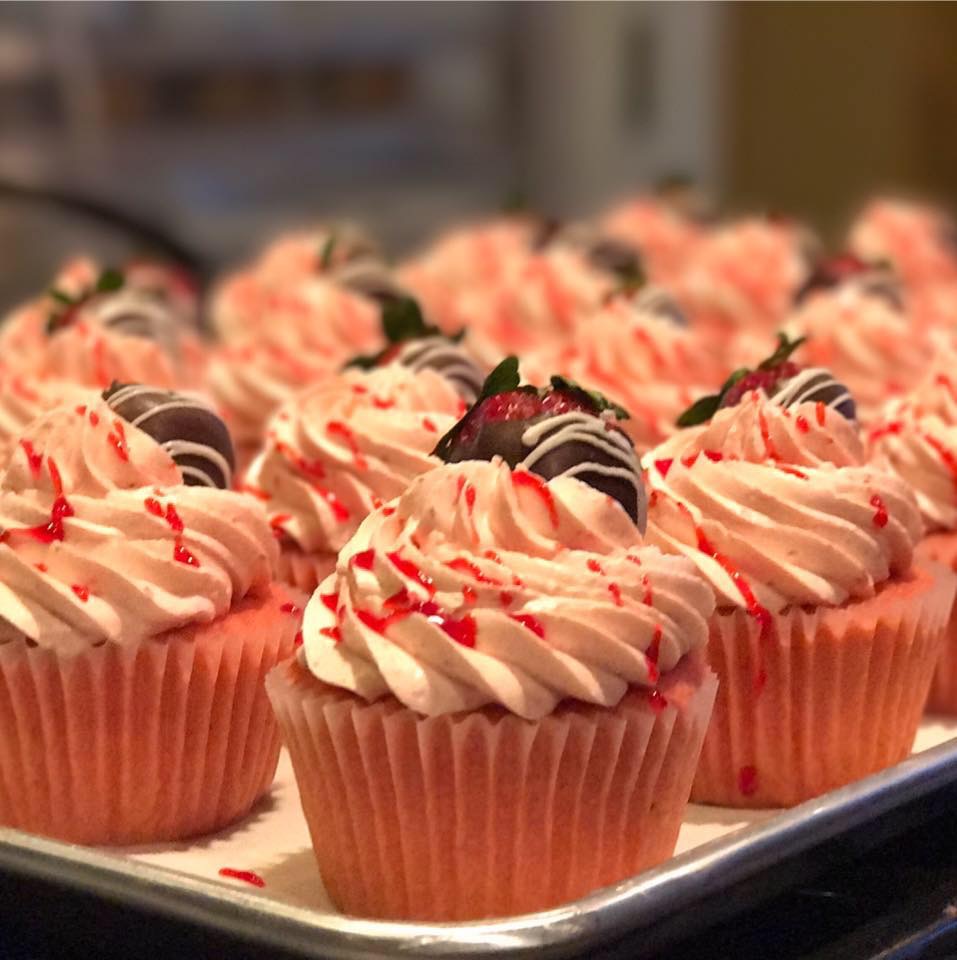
61, 297
501, 380
403, 320
702, 410
109, 280
786, 346
328, 249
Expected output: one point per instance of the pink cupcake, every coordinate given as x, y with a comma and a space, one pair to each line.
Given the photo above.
744, 275
340, 449
868, 341
917, 239
501, 695
827, 631
917, 440
137, 621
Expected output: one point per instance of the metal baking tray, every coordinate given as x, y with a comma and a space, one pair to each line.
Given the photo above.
726, 862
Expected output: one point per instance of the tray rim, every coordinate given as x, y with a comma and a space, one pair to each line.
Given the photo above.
602, 917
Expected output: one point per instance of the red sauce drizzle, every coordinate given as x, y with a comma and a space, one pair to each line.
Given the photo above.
950, 461
595, 566
533, 623
338, 429
769, 446
81, 410
117, 437
42, 567
506, 598
427, 424
463, 565
461, 629
748, 780
820, 412
332, 633
82, 592
468, 594
894, 427
382, 404
648, 598
663, 466
330, 601
364, 559
522, 478
181, 554
247, 876
802, 424
470, 498
59, 511
880, 511
408, 569
94, 419
615, 592
153, 506
33, 458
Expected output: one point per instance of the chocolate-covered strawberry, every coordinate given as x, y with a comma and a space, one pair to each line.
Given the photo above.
558, 430
419, 346
191, 433
785, 382
872, 279
610, 255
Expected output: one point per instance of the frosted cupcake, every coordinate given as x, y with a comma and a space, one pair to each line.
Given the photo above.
917, 239
498, 641
917, 440
137, 621
827, 631
339, 450
744, 275
637, 350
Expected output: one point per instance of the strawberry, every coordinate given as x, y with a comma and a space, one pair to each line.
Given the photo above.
766, 380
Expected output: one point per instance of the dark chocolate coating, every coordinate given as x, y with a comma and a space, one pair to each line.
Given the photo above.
445, 357
594, 443
608, 254
816, 385
373, 280
194, 436
660, 303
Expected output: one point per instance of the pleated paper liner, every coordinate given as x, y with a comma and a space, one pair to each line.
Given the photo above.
159, 740
485, 814
942, 548
826, 698
304, 571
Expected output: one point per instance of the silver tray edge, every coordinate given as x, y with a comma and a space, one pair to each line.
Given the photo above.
597, 919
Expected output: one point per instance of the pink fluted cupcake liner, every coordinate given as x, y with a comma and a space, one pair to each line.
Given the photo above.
158, 740
304, 571
942, 548
827, 697
485, 814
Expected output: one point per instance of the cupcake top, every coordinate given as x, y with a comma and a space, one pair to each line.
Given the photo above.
916, 439
919, 240
775, 507
487, 585
102, 541
339, 449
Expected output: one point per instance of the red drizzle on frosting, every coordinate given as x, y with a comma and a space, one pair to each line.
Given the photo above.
463, 565
947, 456
332, 633
181, 554
297, 640
337, 428
82, 592
657, 701
461, 629
894, 427
522, 478
594, 566
470, 498
880, 511
821, 412
663, 466
381, 403
408, 569
506, 598
117, 438
59, 511
769, 446
364, 559
469, 594
247, 876
802, 423
329, 600
615, 592
427, 424
33, 458
94, 419
533, 623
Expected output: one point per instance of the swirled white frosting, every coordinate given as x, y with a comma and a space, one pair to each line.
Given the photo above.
337, 450
773, 515
916, 439
102, 542
480, 585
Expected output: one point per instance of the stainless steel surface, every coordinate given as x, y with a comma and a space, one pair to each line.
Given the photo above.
653, 898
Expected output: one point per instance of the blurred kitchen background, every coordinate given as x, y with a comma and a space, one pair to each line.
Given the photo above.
222, 122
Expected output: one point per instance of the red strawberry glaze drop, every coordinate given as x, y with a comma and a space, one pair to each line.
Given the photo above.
381, 403
654, 648
427, 424
339, 510
94, 419
506, 598
886, 429
364, 559
948, 458
769, 447
313, 468
182, 555
81, 591
463, 565
332, 633
153, 506
469, 594
470, 498
388, 511
802, 423
42, 567
615, 592
595, 566
173, 519
80, 411
59, 511
330, 601
531, 481
297, 640
338, 429
408, 569
649, 596
880, 511
247, 876
657, 701
821, 412
663, 466
461, 629
748, 780
33, 458
117, 438
531, 622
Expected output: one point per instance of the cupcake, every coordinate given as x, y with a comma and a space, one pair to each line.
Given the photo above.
917, 441
917, 239
744, 275
501, 695
864, 335
637, 350
308, 332
827, 631
137, 622
338, 450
